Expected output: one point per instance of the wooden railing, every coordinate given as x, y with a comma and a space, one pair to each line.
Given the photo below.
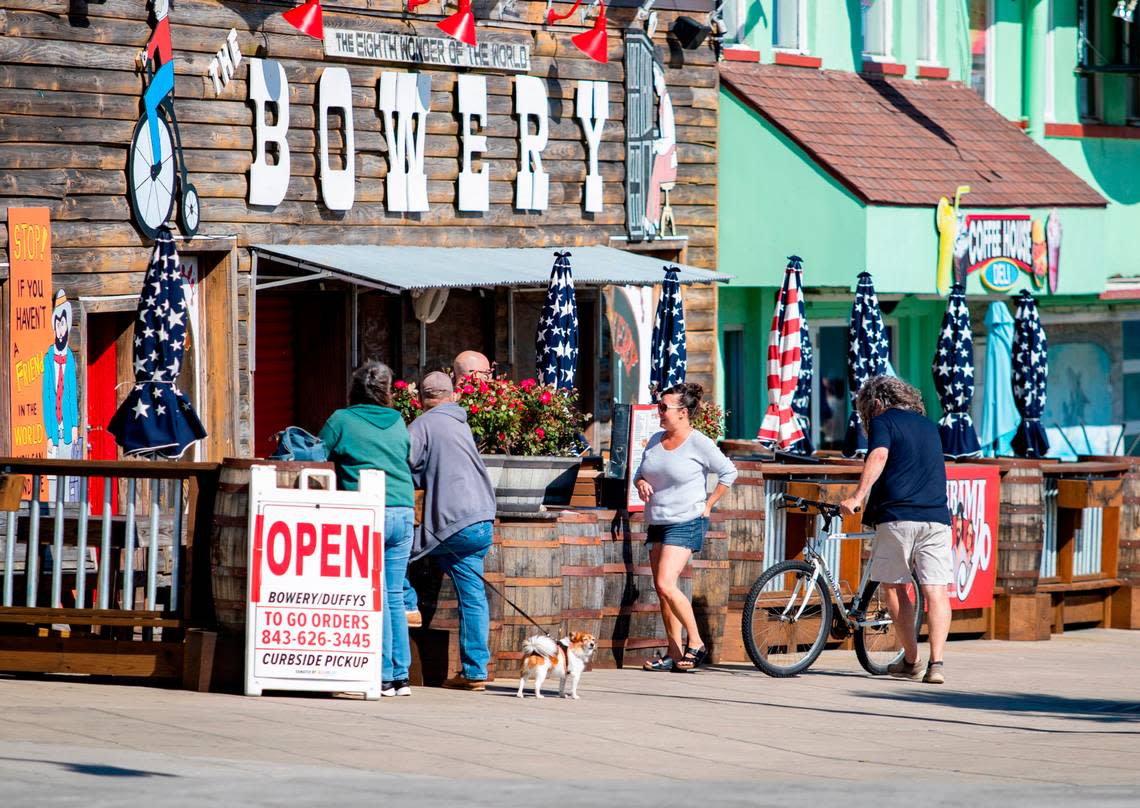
85, 578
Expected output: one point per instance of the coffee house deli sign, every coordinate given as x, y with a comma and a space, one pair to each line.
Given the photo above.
404, 106
999, 247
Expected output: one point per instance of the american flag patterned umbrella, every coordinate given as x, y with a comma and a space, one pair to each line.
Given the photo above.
156, 418
801, 401
953, 369
779, 427
1030, 377
556, 340
668, 350
867, 351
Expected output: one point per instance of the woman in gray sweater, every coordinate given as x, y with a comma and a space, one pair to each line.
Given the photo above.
671, 482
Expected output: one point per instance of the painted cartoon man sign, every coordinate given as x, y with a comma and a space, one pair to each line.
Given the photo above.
60, 389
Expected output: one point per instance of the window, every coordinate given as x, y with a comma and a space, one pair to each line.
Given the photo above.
877, 28
735, 16
1088, 51
981, 50
831, 403
928, 31
788, 25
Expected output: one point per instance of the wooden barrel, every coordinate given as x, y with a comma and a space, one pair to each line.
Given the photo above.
531, 559
229, 536
740, 514
1128, 569
583, 573
632, 630
1021, 528
711, 578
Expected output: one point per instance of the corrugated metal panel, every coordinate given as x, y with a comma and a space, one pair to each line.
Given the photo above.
398, 268
1087, 542
1049, 551
775, 527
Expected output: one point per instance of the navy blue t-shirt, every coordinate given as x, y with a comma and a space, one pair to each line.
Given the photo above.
912, 487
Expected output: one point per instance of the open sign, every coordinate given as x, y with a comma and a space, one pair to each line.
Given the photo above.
316, 588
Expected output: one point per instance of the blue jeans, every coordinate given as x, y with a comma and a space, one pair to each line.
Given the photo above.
411, 598
461, 556
396, 653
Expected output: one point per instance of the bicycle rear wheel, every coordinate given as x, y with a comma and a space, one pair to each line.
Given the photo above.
786, 619
877, 646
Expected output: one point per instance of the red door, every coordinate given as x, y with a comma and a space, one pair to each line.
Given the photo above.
103, 331
273, 380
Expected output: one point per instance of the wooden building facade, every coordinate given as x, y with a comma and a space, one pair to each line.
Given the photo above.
264, 134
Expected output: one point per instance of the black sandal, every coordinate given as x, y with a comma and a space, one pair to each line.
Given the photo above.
692, 659
660, 664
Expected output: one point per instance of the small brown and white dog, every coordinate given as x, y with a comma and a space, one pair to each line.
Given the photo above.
567, 657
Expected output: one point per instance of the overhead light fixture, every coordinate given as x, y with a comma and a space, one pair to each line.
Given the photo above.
307, 19
594, 43
461, 24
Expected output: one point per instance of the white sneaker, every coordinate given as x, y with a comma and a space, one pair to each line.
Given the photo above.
402, 687
387, 688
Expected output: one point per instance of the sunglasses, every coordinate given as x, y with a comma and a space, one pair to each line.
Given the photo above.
662, 407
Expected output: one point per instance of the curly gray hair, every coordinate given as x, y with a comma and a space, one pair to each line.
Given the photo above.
886, 392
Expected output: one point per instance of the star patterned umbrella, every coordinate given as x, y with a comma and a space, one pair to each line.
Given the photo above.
668, 353
779, 427
867, 352
801, 401
156, 418
556, 340
1030, 376
953, 369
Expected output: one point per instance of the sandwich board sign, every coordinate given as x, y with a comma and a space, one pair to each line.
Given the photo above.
316, 584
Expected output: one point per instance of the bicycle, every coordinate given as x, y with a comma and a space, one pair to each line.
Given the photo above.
788, 612
152, 164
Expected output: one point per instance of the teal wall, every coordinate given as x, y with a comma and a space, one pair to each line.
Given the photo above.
774, 200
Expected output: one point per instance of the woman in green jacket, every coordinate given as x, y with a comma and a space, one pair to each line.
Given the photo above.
369, 434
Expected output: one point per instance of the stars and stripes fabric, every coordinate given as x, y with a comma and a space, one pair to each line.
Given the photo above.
780, 428
953, 370
556, 340
867, 354
1030, 371
668, 354
156, 417
801, 401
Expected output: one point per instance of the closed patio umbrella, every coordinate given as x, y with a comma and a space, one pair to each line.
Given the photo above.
953, 370
779, 427
1030, 370
556, 340
867, 352
999, 413
668, 353
156, 417
801, 402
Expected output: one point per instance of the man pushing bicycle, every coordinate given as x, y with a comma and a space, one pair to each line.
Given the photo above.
905, 477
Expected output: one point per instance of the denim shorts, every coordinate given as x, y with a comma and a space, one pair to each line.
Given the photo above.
690, 535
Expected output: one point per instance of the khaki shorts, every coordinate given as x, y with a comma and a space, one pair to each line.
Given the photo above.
899, 546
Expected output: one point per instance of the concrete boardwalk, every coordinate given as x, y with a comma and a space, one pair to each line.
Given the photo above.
1030, 723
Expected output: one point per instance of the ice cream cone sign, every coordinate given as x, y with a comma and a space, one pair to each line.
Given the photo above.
946, 219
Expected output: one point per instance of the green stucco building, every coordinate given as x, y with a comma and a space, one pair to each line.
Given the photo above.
844, 122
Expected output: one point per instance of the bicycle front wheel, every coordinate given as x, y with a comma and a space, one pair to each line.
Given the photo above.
877, 644
786, 619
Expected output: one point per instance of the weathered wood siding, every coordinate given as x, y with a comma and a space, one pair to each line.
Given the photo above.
70, 94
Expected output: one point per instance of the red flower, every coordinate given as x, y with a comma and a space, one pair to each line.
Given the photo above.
546, 397
400, 384
526, 384
491, 401
540, 432
474, 408
468, 389
483, 388
416, 403
502, 436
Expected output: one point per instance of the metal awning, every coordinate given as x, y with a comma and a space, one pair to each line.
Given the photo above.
396, 269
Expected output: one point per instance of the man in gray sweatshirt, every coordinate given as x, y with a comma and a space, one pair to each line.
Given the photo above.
459, 516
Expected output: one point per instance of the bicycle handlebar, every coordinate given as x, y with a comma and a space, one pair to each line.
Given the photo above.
825, 508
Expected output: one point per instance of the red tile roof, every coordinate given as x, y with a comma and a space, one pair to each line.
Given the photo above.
905, 142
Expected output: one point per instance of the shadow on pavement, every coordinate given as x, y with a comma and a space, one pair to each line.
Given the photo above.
93, 769
1103, 710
